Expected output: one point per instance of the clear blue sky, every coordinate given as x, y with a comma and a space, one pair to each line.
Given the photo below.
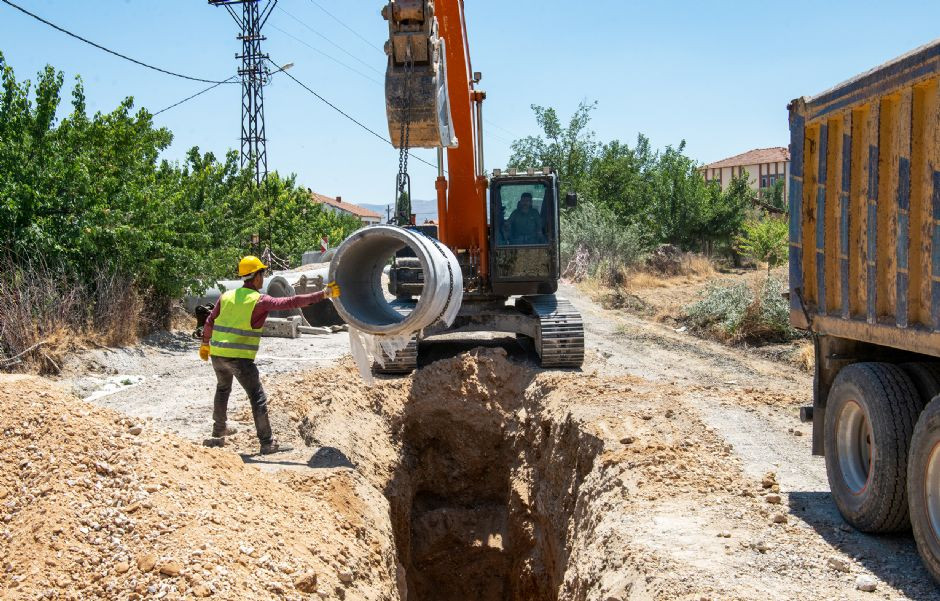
717, 74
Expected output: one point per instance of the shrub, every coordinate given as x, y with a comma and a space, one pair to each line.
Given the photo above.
765, 241
743, 312
594, 245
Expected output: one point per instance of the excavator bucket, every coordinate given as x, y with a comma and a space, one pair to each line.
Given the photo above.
415, 79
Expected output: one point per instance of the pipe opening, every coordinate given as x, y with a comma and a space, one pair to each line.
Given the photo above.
365, 296
365, 304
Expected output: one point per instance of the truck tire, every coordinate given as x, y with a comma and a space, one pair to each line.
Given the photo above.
923, 486
870, 417
926, 378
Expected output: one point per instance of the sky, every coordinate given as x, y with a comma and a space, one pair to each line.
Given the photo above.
716, 74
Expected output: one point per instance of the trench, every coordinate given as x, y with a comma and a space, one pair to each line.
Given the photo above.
484, 496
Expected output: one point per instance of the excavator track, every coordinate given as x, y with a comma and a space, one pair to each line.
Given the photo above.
560, 340
405, 362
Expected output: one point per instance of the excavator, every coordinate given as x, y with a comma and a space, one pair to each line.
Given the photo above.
504, 229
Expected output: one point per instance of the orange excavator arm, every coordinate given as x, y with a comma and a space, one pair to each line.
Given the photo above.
430, 90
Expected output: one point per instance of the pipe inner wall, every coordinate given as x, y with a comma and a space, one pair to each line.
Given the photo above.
357, 268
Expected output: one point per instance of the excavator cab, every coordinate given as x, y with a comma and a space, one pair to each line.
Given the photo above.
524, 241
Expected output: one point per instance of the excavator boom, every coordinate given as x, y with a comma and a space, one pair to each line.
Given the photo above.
431, 101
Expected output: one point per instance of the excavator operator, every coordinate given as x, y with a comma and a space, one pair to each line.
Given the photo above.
524, 225
231, 337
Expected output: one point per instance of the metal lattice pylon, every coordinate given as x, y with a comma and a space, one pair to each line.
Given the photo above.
254, 74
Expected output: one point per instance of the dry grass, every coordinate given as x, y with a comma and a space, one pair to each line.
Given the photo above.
805, 357
46, 314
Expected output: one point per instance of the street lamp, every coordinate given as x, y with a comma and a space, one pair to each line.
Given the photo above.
284, 67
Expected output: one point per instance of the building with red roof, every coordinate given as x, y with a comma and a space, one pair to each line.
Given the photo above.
337, 205
764, 166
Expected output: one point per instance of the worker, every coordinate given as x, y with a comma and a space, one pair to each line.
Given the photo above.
524, 226
231, 337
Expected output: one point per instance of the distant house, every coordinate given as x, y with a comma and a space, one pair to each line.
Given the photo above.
764, 166
336, 205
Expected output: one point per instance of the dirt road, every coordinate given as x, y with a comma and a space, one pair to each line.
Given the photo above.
672, 468
753, 404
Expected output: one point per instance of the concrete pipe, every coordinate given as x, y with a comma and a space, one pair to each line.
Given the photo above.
357, 267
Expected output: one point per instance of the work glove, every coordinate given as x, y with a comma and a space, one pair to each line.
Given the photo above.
331, 290
204, 352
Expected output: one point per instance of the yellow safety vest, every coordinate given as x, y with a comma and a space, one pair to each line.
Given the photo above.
232, 334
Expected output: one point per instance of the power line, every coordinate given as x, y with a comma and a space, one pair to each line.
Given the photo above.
332, 58
331, 42
338, 20
351, 118
108, 50
201, 92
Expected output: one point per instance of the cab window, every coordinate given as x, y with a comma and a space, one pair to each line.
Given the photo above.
524, 215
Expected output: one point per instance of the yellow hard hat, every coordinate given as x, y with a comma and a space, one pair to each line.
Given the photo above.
250, 264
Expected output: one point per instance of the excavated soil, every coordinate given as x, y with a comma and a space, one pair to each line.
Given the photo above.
477, 478
94, 506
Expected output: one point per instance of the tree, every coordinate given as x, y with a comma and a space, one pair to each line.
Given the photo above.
765, 240
90, 194
773, 196
568, 150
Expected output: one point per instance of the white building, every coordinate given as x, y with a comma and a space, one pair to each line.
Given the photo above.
764, 166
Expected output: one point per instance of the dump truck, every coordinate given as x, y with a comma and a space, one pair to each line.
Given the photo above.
865, 282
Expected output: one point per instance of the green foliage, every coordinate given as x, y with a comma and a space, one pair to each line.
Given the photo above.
659, 194
773, 196
765, 240
89, 194
568, 150
743, 312
594, 244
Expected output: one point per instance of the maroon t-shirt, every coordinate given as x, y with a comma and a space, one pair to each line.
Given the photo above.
265, 305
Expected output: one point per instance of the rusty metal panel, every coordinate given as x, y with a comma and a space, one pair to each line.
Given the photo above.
865, 206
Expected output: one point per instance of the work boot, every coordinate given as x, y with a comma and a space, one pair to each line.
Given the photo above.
275, 447
222, 432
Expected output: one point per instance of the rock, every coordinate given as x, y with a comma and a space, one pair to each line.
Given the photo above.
135, 430
146, 562
797, 433
866, 583
780, 518
627, 440
345, 577
122, 567
762, 546
201, 590
773, 499
839, 565
306, 582
769, 480
171, 568
724, 534
669, 413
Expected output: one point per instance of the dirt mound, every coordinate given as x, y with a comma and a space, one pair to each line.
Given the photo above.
95, 506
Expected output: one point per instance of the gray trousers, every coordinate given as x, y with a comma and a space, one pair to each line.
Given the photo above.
246, 372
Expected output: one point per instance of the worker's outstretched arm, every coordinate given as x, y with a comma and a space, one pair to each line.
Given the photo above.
269, 303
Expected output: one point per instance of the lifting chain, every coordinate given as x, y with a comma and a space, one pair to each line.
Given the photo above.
403, 181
